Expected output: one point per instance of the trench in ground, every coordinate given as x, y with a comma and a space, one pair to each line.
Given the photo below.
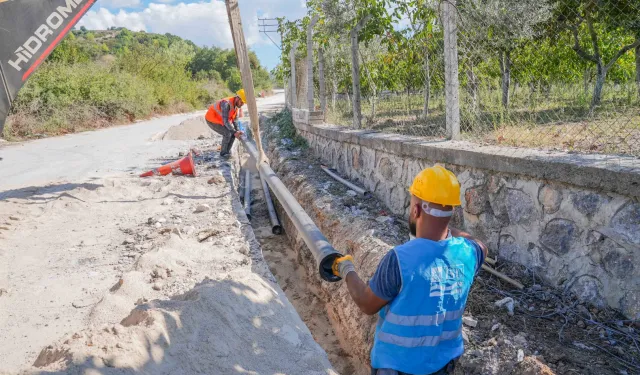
291, 276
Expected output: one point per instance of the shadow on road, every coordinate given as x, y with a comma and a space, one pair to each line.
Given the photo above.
44, 193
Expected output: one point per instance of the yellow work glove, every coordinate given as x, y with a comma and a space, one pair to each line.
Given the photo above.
342, 266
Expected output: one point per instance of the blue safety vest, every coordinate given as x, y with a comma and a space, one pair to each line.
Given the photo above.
420, 331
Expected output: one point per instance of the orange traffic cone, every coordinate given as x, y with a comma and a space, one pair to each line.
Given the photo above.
185, 166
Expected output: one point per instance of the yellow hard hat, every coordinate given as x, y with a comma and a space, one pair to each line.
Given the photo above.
242, 95
437, 185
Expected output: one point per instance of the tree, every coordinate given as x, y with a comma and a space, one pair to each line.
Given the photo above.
502, 26
234, 80
590, 20
362, 20
418, 38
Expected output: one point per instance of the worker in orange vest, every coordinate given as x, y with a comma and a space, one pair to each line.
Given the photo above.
221, 118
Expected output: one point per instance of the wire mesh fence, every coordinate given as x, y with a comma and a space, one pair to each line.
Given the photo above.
556, 74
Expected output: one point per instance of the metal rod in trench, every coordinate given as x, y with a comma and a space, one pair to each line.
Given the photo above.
346, 183
247, 193
276, 228
323, 253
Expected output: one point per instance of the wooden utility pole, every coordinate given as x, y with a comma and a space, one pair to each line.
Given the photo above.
242, 56
310, 98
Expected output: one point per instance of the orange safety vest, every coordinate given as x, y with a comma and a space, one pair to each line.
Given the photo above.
214, 114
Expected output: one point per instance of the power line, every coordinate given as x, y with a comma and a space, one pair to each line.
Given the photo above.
269, 26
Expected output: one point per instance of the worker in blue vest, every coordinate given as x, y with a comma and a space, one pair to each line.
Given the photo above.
420, 288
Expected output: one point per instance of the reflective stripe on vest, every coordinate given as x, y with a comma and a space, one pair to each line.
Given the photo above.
422, 320
414, 342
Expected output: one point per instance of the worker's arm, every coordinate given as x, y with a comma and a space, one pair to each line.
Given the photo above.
225, 116
367, 300
363, 296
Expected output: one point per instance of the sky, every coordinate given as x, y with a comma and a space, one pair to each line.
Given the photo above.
203, 22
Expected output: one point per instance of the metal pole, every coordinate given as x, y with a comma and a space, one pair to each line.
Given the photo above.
276, 228
452, 109
323, 253
346, 183
247, 193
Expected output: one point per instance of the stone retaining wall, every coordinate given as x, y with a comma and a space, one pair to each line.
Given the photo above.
575, 219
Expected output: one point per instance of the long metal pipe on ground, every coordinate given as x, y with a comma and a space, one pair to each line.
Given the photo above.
346, 183
247, 193
276, 228
320, 247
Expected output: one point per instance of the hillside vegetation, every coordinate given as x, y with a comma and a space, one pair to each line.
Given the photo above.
95, 79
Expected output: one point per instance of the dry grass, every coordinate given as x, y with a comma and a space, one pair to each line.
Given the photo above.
558, 123
618, 136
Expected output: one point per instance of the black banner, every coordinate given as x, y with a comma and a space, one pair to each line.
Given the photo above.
29, 31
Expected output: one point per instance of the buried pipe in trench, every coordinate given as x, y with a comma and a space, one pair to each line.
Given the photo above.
247, 193
346, 183
323, 253
276, 228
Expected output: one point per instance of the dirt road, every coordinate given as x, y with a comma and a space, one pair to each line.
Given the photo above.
83, 241
78, 157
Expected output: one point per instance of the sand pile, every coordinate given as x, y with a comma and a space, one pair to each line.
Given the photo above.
195, 128
237, 325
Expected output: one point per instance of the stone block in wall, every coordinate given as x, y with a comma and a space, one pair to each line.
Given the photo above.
550, 198
626, 222
587, 202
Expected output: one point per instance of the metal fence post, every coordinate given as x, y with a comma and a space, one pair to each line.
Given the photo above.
452, 98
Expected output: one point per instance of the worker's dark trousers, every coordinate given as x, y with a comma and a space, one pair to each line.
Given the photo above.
227, 138
446, 370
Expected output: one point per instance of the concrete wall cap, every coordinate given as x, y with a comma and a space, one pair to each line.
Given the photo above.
617, 174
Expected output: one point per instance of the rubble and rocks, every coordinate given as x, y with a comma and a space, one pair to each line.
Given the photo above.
507, 303
202, 208
469, 321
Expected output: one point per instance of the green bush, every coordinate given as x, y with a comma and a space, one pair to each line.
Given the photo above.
95, 79
283, 129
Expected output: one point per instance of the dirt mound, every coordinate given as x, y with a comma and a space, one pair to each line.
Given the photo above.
205, 304
239, 325
194, 128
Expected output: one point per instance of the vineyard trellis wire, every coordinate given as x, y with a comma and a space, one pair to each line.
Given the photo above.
554, 74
